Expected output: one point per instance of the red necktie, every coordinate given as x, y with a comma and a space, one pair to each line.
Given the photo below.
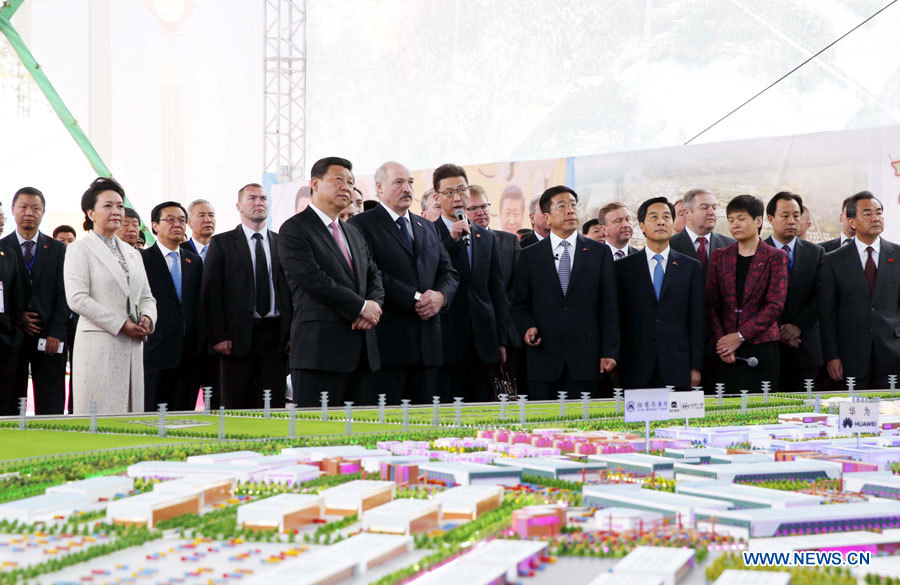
871, 270
701, 252
337, 238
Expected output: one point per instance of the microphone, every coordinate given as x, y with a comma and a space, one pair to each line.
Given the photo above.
751, 361
461, 216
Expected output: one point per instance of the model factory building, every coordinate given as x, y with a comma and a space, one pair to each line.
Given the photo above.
282, 512
357, 496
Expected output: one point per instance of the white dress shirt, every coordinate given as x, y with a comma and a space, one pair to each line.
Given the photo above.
557, 248
613, 249
844, 238
200, 247
248, 233
792, 245
23, 240
863, 255
694, 237
651, 263
165, 252
394, 218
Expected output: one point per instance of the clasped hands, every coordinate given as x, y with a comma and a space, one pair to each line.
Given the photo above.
369, 317
138, 331
429, 304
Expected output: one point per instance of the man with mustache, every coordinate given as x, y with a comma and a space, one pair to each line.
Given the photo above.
617, 227
419, 282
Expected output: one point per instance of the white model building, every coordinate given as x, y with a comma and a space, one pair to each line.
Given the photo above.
212, 490
611, 578
624, 519
220, 458
357, 496
465, 473
316, 454
798, 469
468, 502
373, 464
737, 577
178, 469
456, 572
291, 474
45, 507
282, 512
883, 484
152, 507
511, 555
98, 489
672, 564
678, 507
636, 463
565, 469
746, 496
403, 516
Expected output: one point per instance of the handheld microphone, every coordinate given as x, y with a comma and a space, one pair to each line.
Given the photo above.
751, 361
461, 216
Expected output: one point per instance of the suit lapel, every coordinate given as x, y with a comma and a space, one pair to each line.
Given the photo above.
41, 252
580, 251
687, 244
755, 277
672, 269
324, 234
242, 248
392, 228
358, 252
418, 229
102, 252
887, 257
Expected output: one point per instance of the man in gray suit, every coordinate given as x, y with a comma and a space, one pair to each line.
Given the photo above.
859, 300
698, 239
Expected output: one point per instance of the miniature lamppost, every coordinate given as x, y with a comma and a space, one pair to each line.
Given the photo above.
504, 398
617, 394
585, 402
93, 409
207, 399
323, 398
162, 419
457, 406
744, 401
23, 404
221, 423
523, 400
348, 414
810, 384
851, 386
404, 404
892, 379
267, 403
766, 387
382, 401
436, 412
562, 405
818, 403
720, 391
292, 422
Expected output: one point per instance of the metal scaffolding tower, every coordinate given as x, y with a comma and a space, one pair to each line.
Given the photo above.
284, 101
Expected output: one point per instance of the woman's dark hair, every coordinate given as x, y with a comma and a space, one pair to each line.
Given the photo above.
89, 199
752, 206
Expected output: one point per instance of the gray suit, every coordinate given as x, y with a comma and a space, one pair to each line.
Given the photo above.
860, 328
682, 243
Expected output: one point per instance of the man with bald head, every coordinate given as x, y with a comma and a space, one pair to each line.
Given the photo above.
419, 282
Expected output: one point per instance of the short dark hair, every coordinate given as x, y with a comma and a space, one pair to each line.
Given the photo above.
64, 229
29, 191
524, 232
248, 186
156, 212
853, 201
772, 205
131, 213
586, 227
748, 204
552, 192
355, 188
89, 198
142, 238
321, 166
642, 210
601, 215
447, 171
369, 204
845, 202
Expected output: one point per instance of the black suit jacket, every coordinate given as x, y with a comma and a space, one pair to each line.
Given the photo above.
480, 310
529, 240
509, 259
855, 322
682, 244
45, 293
667, 334
227, 293
577, 329
177, 322
800, 305
13, 299
403, 338
328, 295
831, 245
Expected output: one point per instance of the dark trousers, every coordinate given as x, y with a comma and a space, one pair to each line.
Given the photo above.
177, 386
48, 376
515, 368
244, 378
309, 384
208, 375
875, 376
416, 382
740, 376
566, 383
793, 371
9, 403
468, 378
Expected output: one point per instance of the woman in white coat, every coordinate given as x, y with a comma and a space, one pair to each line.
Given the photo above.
107, 286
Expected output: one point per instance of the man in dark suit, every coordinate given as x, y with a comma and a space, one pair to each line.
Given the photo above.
616, 229
46, 318
12, 306
699, 239
474, 327
419, 281
565, 304
172, 350
661, 307
847, 232
540, 229
247, 325
859, 300
337, 292
800, 344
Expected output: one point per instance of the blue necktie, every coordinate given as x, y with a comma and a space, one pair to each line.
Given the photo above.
203, 252
175, 271
787, 249
565, 267
658, 275
403, 224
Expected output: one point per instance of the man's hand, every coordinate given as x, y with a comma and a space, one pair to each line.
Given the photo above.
695, 377
223, 347
607, 365
430, 304
727, 344
459, 228
835, 369
31, 322
502, 356
531, 337
361, 324
371, 312
789, 334
52, 346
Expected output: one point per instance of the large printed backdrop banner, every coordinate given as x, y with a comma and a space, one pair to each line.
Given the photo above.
823, 168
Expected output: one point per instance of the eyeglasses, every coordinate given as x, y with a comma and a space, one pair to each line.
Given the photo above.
485, 208
566, 206
178, 220
457, 191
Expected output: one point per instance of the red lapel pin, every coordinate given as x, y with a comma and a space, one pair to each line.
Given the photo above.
477, 235
890, 259
188, 260
674, 262
584, 249
46, 246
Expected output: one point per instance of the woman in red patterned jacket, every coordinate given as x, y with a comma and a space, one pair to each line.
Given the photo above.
746, 286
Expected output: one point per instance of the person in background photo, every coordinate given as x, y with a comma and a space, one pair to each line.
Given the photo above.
358, 198
302, 200
805, 223
847, 231
106, 285
746, 289
511, 209
202, 221
591, 229
680, 218
524, 233
130, 229
349, 211
431, 209
65, 234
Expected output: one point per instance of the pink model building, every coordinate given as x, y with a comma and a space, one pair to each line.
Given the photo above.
538, 521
